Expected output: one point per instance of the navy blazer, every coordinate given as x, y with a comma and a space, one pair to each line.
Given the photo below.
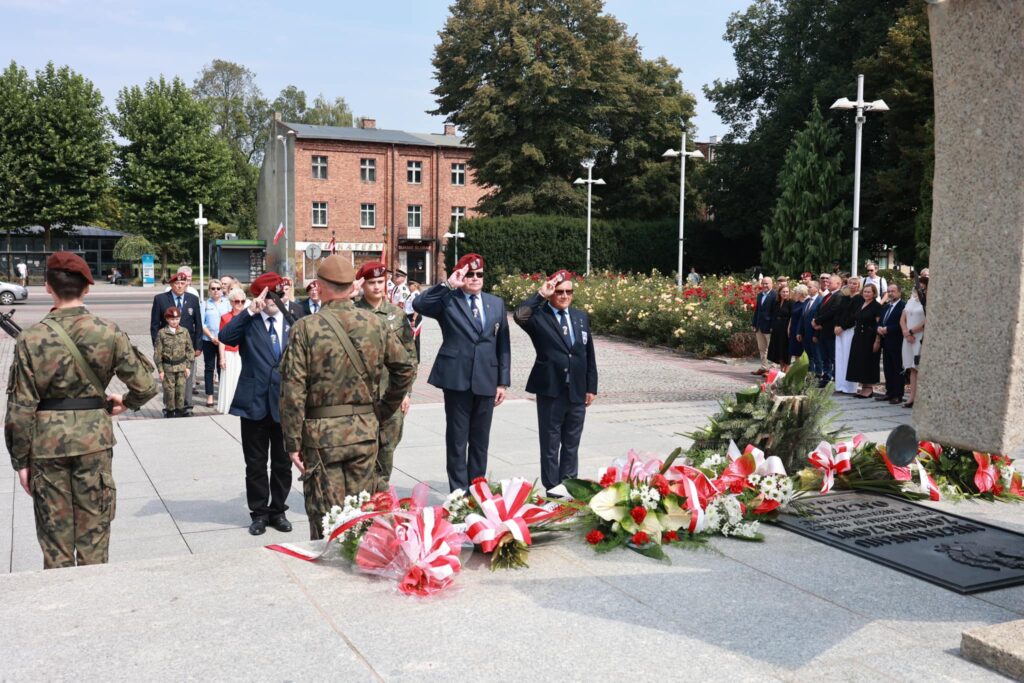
191, 316
558, 364
829, 314
810, 311
892, 340
764, 313
259, 386
468, 360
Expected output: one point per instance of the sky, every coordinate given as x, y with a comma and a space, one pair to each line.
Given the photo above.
374, 54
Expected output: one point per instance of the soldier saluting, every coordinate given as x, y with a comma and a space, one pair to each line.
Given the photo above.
58, 428
331, 408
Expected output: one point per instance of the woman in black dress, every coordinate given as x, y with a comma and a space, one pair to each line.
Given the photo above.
864, 355
778, 345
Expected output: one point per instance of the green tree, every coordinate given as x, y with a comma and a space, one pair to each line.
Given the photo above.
323, 112
809, 218
172, 161
16, 110
240, 113
291, 104
132, 247
538, 87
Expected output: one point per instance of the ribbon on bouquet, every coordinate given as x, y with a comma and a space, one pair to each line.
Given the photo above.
926, 483
508, 513
831, 461
773, 376
751, 461
632, 467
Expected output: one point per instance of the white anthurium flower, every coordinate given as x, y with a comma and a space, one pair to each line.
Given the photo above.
606, 503
674, 516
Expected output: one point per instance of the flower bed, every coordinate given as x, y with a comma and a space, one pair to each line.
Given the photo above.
711, 319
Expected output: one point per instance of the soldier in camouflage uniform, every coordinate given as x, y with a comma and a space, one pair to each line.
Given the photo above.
330, 399
173, 356
58, 428
373, 276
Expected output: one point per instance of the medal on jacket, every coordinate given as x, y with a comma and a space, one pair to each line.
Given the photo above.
496, 326
565, 330
190, 310
584, 333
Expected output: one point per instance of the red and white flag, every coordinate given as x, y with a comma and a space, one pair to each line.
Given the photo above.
279, 233
331, 246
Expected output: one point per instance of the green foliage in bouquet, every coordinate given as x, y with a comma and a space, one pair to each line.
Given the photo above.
788, 419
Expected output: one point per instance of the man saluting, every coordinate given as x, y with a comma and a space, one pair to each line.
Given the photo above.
564, 376
472, 366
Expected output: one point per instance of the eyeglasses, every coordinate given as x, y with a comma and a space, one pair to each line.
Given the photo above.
564, 292
475, 273
238, 301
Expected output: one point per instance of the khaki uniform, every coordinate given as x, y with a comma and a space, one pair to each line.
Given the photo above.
339, 453
69, 451
391, 430
173, 354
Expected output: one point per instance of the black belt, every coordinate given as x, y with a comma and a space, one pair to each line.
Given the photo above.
95, 403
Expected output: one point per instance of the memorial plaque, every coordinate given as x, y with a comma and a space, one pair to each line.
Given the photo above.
955, 552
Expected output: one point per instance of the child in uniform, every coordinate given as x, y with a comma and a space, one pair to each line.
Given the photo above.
173, 356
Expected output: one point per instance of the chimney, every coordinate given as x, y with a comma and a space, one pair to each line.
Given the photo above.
367, 123
449, 129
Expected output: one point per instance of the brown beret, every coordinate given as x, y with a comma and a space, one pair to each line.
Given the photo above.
179, 277
337, 270
172, 312
266, 281
69, 263
371, 270
474, 261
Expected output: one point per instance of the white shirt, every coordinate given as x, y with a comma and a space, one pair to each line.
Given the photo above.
408, 303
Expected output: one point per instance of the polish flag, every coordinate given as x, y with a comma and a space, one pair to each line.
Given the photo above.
330, 246
279, 233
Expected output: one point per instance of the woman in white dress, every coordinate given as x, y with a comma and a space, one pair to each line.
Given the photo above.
844, 337
230, 361
912, 326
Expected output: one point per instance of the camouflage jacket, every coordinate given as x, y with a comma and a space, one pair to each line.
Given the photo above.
44, 369
316, 372
394, 318
173, 350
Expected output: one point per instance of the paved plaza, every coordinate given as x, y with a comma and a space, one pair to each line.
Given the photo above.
187, 584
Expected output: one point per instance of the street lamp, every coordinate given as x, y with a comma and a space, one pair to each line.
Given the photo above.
682, 153
861, 106
287, 261
456, 235
590, 181
200, 222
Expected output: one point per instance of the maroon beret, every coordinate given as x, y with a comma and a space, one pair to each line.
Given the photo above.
474, 261
70, 263
566, 276
172, 312
269, 281
312, 284
179, 277
371, 270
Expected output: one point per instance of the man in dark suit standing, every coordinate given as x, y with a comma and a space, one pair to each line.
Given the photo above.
564, 375
472, 366
261, 334
892, 345
764, 312
807, 335
191, 320
824, 323
312, 304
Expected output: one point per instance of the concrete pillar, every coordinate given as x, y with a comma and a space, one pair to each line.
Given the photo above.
972, 366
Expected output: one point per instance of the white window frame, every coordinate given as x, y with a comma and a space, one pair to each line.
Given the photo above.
458, 174
459, 211
320, 167
316, 208
368, 170
367, 211
414, 169
415, 211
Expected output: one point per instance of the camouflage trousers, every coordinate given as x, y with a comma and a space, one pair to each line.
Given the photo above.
174, 390
333, 473
74, 500
390, 436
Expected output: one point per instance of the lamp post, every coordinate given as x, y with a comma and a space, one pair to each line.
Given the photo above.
590, 181
861, 106
287, 261
456, 235
200, 222
682, 154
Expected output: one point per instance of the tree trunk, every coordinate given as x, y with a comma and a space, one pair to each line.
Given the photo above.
163, 261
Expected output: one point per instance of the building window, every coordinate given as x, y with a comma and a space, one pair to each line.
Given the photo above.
415, 215
414, 172
319, 214
458, 174
458, 212
367, 215
368, 170
320, 167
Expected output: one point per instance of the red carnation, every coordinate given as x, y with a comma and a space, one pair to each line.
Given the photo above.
638, 514
594, 536
381, 501
608, 479
669, 537
641, 538
479, 480
659, 482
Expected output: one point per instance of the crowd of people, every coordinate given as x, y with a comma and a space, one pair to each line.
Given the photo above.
849, 327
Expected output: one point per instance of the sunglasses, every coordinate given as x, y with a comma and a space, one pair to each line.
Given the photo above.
566, 292
475, 273
215, 289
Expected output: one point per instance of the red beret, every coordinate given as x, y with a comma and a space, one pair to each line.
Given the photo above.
179, 277
371, 270
566, 275
474, 261
172, 312
312, 284
70, 263
269, 281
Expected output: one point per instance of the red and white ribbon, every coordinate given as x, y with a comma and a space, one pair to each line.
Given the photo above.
693, 504
830, 462
632, 467
313, 556
508, 513
926, 483
751, 461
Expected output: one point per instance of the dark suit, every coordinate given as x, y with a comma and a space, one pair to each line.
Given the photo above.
470, 366
191, 320
298, 309
764, 314
808, 333
564, 372
892, 348
832, 305
256, 403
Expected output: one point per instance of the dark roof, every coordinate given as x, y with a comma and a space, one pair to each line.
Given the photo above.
379, 135
81, 231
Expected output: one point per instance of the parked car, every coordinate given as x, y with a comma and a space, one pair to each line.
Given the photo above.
9, 293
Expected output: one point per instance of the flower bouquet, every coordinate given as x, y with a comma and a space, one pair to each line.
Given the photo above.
859, 464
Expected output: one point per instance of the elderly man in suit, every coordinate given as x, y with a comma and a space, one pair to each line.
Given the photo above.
564, 375
764, 312
892, 345
806, 335
261, 334
472, 366
191, 320
832, 306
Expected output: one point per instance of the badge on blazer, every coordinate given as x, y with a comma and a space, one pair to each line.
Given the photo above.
496, 326
584, 333
190, 310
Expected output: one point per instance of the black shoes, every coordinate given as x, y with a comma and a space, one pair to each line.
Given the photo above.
882, 397
279, 522
258, 526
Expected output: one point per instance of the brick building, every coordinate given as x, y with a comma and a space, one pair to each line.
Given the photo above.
371, 190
